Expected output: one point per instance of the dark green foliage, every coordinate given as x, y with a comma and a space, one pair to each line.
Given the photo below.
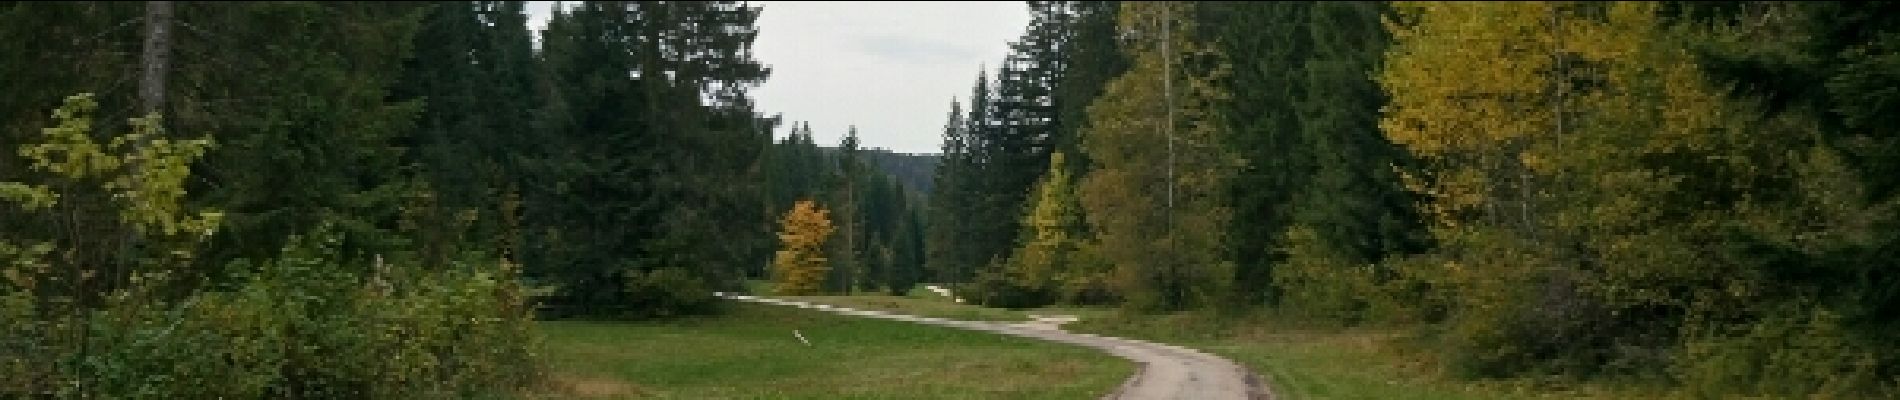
845, 191
300, 326
1093, 57
1831, 67
312, 141
649, 146
888, 254
38, 73
310, 322
315, 143
1310, 135
949, 253
914, 171
473, 72
1015, 129
1269, 44
907, 268
994, 154
619, 166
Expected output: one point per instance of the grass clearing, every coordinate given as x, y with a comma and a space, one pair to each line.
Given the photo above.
750, 353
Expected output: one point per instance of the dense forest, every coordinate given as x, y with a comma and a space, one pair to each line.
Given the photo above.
271, 199
915, 171
1698, 194
377, 199
877, 219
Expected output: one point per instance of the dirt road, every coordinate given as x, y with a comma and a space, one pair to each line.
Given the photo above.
1165, 371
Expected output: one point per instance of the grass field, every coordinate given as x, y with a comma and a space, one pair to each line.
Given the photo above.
750, 353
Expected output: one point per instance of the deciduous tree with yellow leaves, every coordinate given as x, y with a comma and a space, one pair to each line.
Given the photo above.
1575, 159
800, 266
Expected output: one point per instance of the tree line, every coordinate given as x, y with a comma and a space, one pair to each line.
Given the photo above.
876, 221
1693, 193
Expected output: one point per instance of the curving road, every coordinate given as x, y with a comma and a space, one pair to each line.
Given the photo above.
1164, 371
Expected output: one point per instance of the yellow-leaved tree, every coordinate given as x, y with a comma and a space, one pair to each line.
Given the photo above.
800, 266
91, 200
1568, 150
1053, 263
1153, 198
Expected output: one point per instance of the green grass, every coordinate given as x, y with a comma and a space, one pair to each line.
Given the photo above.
750, 353
1304, 361
1300, 361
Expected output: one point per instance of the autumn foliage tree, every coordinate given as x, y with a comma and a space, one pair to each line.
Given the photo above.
1054, 226
1053, 263
801, 264
1593, 193
1152, 196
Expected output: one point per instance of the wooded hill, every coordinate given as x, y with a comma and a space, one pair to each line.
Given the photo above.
915, 171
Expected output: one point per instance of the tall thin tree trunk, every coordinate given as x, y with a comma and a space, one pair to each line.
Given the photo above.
1173, 286
153, 65
157, 56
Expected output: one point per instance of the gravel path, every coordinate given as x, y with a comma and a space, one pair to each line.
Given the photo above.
1165, 371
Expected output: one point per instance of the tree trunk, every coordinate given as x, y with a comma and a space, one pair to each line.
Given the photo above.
153, 65
157, 56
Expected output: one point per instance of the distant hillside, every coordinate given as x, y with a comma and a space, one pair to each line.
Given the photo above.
915, 171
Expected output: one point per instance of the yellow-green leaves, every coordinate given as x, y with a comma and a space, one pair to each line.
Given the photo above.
68, 152
142, 171
1557, 139
28, 197
153, 188
1053, 222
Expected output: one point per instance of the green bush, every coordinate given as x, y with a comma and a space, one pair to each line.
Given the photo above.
1791, 353
305, 325
1318, 282
998, 285
665, 292
81, 318
1511, 308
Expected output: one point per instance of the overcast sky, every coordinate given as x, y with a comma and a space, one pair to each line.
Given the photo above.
891, 68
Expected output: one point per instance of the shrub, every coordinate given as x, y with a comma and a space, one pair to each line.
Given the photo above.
80, 319
1796, 352
999, 285
301, 326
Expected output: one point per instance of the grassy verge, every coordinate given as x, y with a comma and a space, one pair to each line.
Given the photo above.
750, 353
1301, 361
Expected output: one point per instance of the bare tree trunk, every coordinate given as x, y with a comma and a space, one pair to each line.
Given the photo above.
157, 56
1172, 284
153, 65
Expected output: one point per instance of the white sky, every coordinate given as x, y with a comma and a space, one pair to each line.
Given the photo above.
891, 68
